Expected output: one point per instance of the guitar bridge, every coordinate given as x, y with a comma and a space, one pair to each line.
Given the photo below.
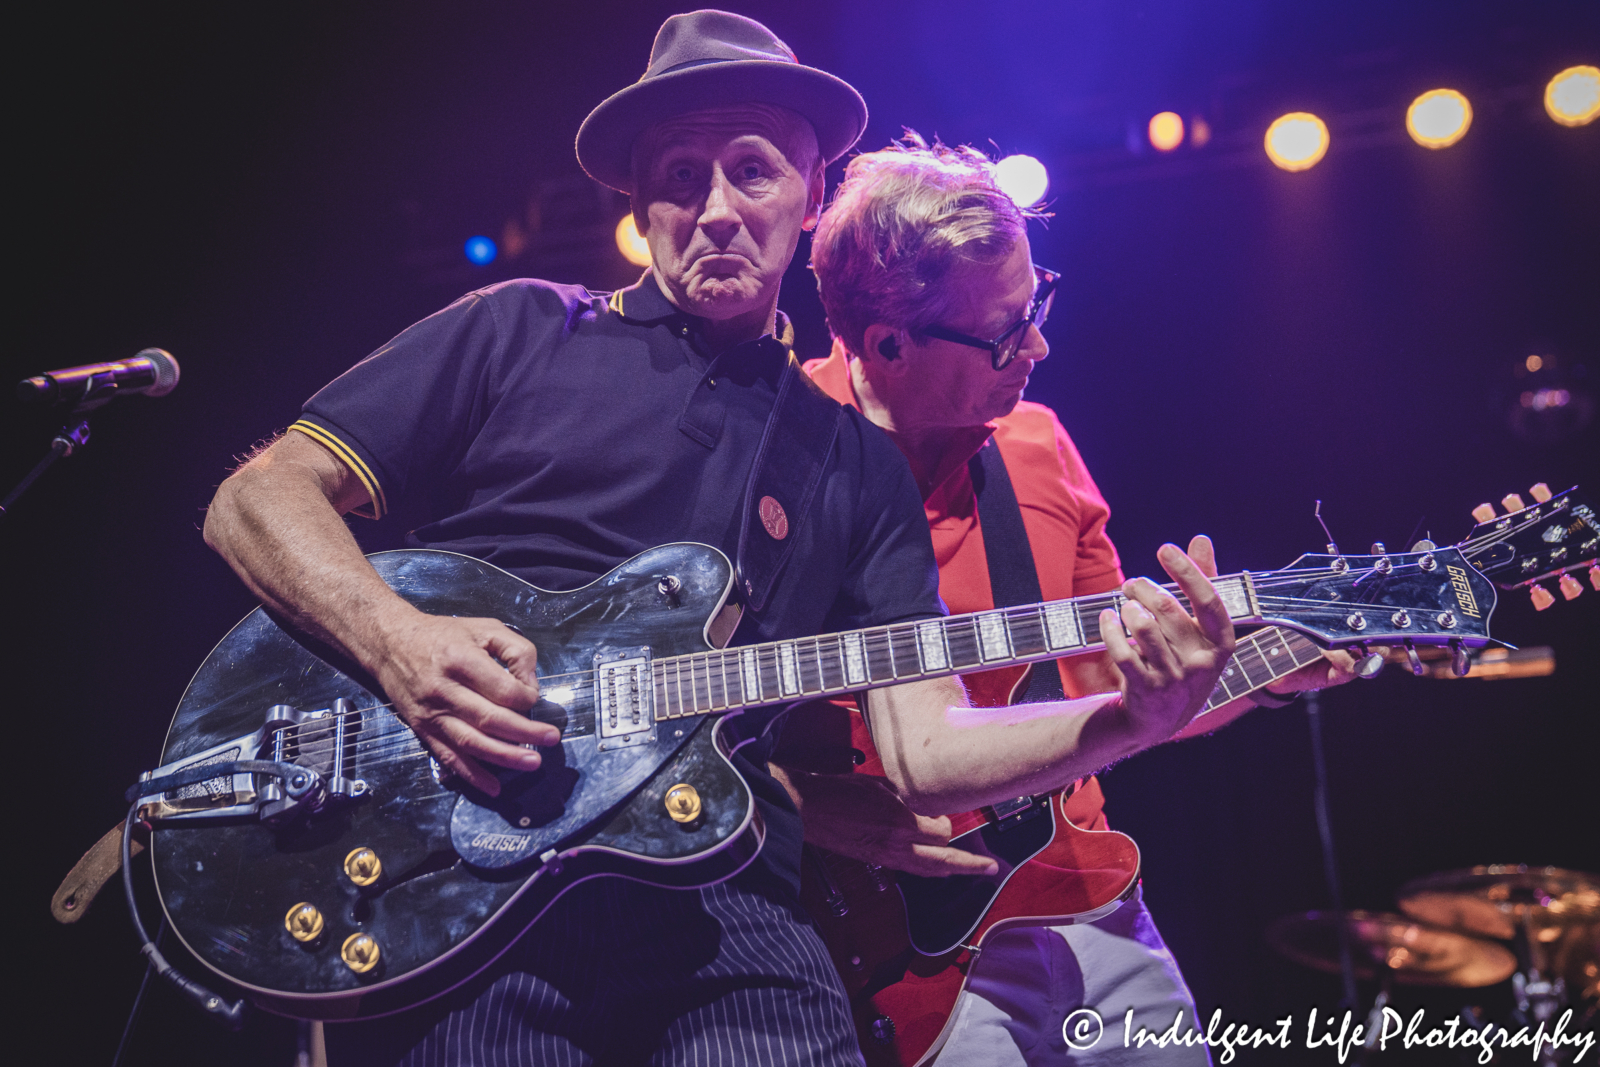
319, 741
624, 699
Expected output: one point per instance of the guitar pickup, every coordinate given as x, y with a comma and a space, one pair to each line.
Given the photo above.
1009, 813
624, 699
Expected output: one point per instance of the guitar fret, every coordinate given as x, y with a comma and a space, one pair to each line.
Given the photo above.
805, 653
831, 664
700, 682
1256, 670
788, 678
1234, 597
750, 675
855, 659
1025, 628
961, 638
880, 656
904, 661
993, 640
1062, 628
728, 697
933, 655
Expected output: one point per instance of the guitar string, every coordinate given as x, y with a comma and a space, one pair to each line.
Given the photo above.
378, 747
880, 641
308, 733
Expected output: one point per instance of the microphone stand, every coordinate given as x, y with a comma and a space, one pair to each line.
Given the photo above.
72, 436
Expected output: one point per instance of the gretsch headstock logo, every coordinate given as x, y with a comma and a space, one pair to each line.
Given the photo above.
1463, 590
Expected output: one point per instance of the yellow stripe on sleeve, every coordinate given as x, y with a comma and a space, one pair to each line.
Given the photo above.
351, 460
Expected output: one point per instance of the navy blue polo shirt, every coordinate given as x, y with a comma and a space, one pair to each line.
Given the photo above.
556, 433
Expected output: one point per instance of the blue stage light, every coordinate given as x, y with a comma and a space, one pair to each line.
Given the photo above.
481, 250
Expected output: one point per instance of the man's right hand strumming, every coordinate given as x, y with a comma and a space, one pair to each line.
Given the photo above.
463, 685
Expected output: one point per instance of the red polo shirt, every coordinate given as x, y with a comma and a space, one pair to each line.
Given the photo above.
1062, 510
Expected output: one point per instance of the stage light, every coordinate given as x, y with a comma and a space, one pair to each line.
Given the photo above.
1533, 363
1573, 97
481, 250
1199, 131
1297, 141
1438, 118
1023, 179
1166, 131
634, 248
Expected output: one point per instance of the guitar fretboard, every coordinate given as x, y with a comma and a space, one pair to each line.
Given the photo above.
783, 671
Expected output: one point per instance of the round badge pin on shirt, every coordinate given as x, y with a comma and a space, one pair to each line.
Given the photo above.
773, 518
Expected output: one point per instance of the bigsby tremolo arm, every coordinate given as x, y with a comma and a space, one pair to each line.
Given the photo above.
295, 761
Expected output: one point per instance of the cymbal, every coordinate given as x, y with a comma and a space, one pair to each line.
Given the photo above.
1416, 953
1494, 901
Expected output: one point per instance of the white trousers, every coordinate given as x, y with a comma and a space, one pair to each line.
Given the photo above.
1029, 980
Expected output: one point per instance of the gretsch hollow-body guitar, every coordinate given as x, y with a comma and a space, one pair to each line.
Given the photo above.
306, 848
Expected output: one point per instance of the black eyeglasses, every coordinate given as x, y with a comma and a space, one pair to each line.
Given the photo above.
1004, 349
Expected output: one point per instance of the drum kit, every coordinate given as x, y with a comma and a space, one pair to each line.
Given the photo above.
1537, 926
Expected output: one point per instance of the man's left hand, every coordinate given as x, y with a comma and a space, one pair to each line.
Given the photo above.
1336, 666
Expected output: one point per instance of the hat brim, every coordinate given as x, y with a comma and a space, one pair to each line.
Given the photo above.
605, 140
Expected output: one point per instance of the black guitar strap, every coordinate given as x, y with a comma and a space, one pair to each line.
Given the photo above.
1012, 576
788, 466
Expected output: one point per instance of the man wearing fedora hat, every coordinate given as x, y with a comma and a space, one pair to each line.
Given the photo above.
555, 433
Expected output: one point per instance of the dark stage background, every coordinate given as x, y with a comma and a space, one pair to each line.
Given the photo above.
272, 192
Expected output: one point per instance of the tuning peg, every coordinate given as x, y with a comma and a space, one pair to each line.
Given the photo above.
1511, 502
1542, 597
1483, 512
1460, 662
1539, 491
1368, 663
1594, 576
1424, 545
1570, 587
1415, 660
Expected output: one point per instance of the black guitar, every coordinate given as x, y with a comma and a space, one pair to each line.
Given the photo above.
337, 876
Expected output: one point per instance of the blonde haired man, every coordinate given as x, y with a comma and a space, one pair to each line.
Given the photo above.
926, 274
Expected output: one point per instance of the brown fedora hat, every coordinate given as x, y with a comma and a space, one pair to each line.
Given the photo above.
710, 59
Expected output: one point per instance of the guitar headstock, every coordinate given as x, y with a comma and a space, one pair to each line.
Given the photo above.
1429, 597
1557, 536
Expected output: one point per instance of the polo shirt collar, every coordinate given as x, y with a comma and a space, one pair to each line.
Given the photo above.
644, 304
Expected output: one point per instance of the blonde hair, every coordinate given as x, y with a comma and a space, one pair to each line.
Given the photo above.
903, 221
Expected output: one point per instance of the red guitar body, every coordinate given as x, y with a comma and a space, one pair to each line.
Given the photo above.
904, 944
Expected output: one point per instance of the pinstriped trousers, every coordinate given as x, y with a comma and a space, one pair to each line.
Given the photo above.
621, 974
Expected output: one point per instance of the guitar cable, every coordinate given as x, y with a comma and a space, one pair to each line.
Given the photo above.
229, 1015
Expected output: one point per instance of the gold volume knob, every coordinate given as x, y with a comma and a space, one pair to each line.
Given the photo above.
359, 952
363, 866
683, 803
304, 922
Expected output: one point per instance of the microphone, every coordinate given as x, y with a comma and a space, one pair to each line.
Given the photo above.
152, 372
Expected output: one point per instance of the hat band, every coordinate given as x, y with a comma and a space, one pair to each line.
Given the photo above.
686, 64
